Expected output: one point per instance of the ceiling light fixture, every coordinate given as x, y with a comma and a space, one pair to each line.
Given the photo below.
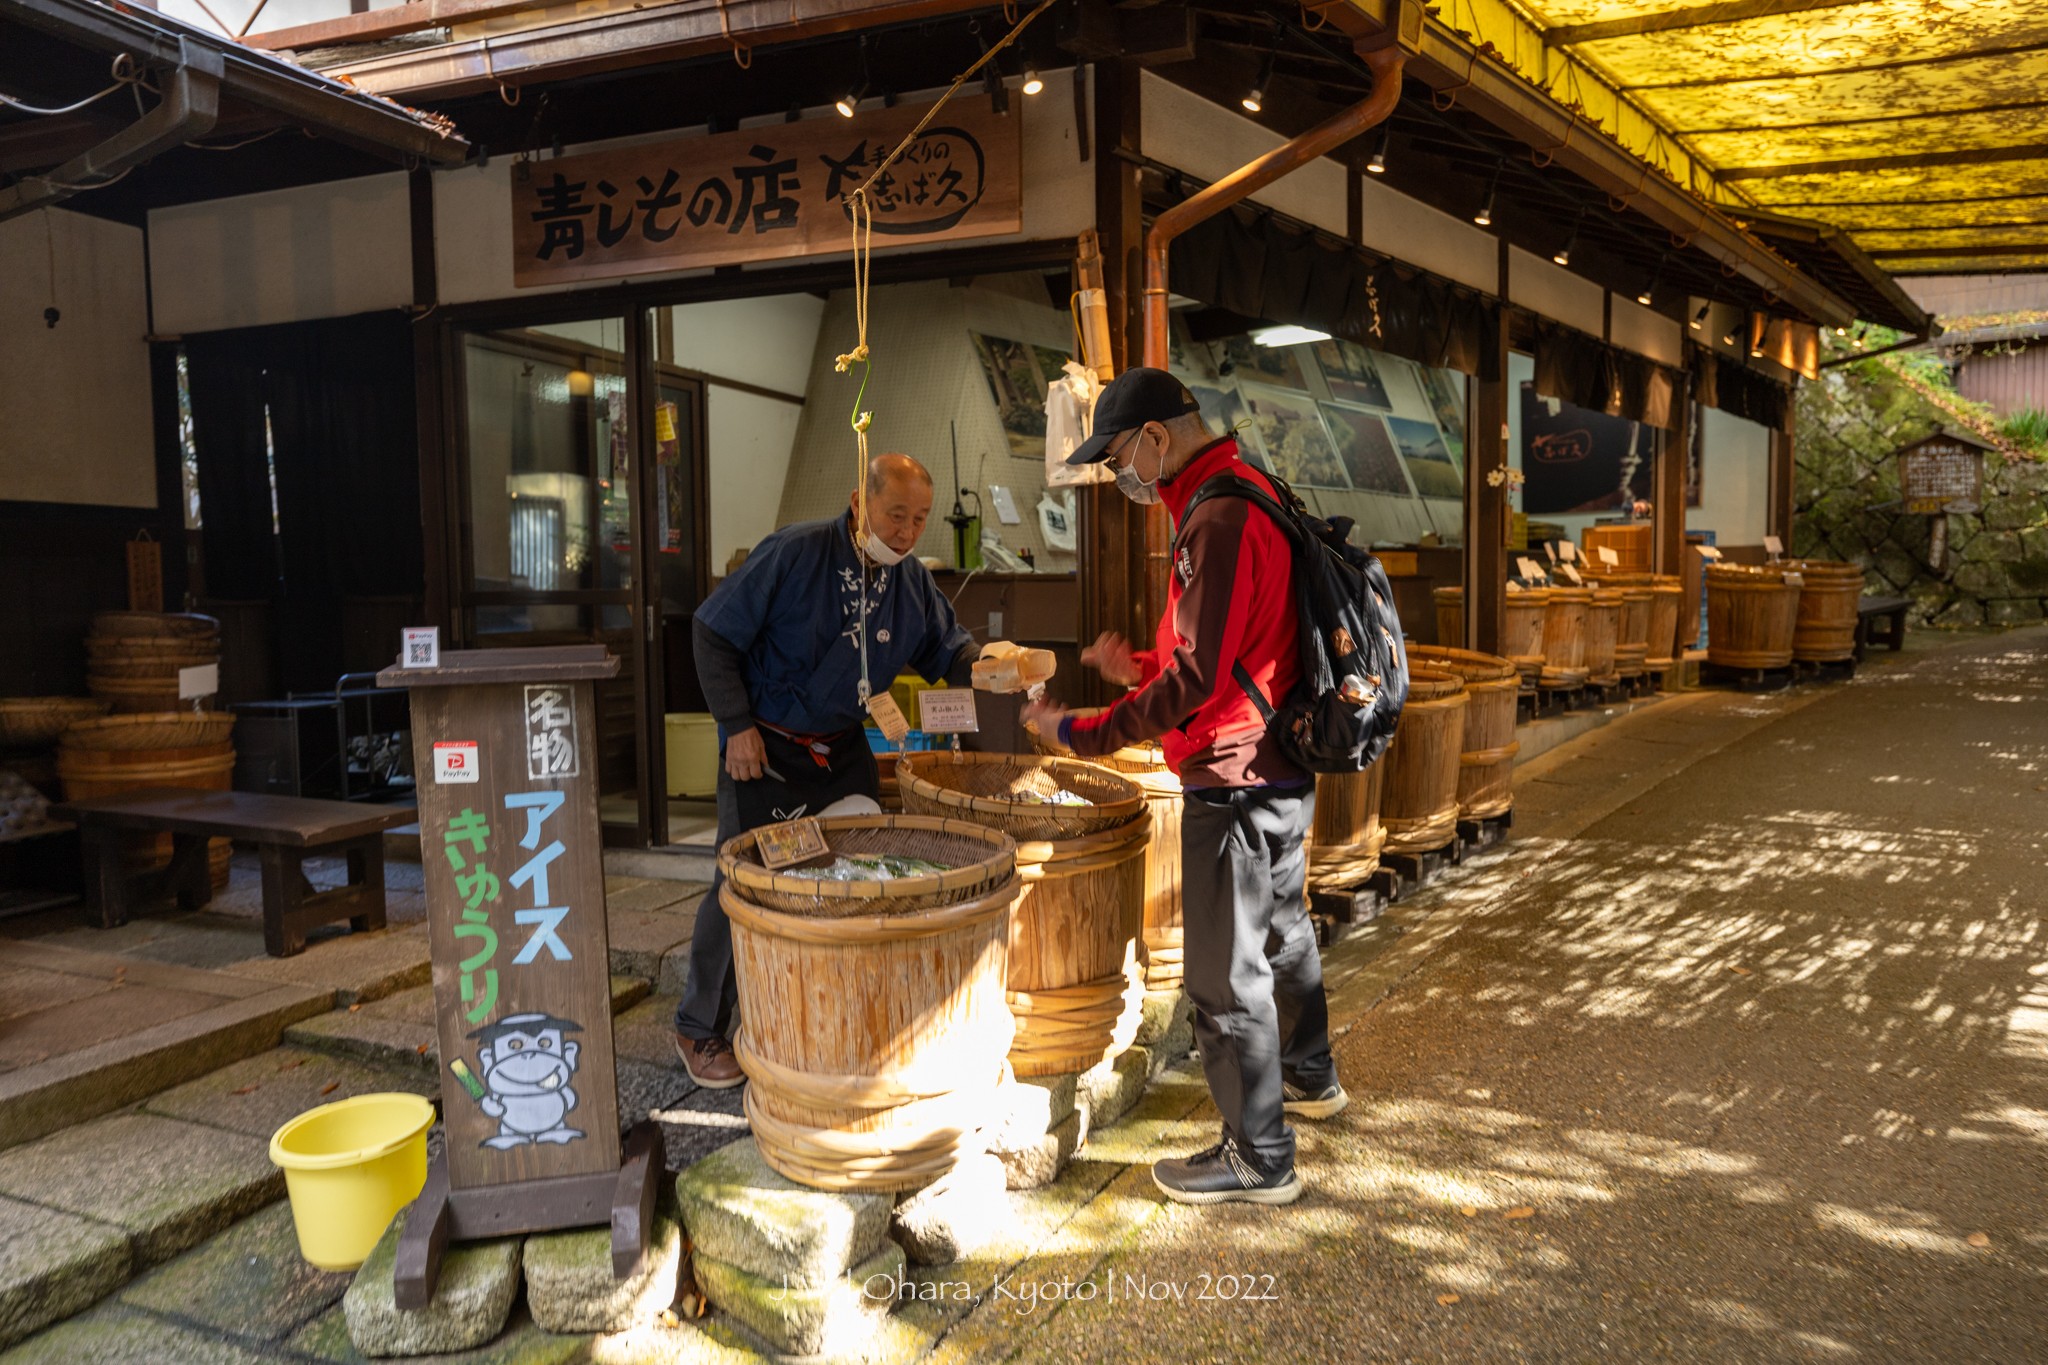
1563, 255
1254, 100
849, 103
1377, 162
1649, 292
1485, 215
1032, 84
1699, 319
1287, 334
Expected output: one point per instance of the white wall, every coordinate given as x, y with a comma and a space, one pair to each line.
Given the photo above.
316, 251
1734, 480
1647, 332
75, 418
1551, 291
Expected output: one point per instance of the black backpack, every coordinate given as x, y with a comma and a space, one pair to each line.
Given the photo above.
1348, 632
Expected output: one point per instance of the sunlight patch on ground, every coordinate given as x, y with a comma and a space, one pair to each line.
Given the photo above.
1894, 1228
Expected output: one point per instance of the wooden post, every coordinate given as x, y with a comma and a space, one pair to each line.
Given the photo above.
1112, 546
505, 751
1667, 487
1782, 490
1486, 531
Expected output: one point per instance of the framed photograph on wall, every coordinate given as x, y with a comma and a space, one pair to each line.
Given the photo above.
1291, 431
1366, 449
1429, 457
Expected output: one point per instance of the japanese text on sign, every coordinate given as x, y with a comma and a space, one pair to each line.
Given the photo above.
1937, 473
762, 193
550, 732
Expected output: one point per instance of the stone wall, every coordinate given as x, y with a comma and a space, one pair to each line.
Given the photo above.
1851, 421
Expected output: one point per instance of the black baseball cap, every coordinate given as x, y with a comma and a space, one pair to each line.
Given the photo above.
1135, 397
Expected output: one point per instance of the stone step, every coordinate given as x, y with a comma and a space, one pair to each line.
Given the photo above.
398, 1031
103, 1032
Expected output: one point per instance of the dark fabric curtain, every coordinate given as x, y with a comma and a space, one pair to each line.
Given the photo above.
1742, 392
1248, 262
343, 429
224, 375
1588, 373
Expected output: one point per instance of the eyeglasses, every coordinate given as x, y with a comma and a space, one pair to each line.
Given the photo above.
1110, 451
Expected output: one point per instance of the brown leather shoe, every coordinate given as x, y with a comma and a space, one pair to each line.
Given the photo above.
710, 1062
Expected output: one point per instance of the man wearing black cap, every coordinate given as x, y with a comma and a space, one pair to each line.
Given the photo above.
1230, 626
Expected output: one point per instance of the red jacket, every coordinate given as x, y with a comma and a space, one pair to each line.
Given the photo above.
1230, 600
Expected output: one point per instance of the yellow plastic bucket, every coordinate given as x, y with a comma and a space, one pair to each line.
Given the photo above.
349, 1167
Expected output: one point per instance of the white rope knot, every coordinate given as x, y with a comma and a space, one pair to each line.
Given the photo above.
844, 364
860, 423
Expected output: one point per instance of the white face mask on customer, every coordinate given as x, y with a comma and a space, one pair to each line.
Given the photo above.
1141, 491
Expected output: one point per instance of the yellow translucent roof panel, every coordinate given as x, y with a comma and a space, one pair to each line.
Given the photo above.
1922, 184
1830, 97
1862, 219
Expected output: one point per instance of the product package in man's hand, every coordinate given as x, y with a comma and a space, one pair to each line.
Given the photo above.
1005, 667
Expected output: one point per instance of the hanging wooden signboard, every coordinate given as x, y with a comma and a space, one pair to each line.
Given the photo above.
1944, 472
145, 573
765, 193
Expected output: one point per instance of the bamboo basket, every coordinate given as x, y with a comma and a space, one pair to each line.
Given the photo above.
977, 859
1346, 837
1667, 599
873, 1044
1419, 803
1076, 985
1521, 631
1450, 616
1145, 764
155, 624
977, 787
1486, 758
120, 754
1829, 594
38, 722
1564, 637
1603, 636
133, 658
1752, 615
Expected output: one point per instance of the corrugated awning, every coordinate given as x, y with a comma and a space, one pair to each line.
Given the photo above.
1919, 127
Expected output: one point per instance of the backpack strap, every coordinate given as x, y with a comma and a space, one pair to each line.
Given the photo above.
1236, 486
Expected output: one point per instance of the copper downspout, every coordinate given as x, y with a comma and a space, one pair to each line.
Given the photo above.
1386, 64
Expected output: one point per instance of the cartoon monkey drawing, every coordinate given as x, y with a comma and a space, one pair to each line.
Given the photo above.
527, 1068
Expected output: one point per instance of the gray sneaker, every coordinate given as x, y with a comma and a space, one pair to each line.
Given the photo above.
1313, 1104
1222, 1175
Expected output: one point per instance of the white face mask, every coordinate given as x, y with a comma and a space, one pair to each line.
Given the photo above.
877, 549
1142, 491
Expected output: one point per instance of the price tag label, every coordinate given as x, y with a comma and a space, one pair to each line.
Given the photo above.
1529, 568
1567, 551
1773, 546
947, 711
1569, 572
791, 843
888, 717
1607, 555
1550, 551
1513, 586
1708, 552
455, 761
200, 680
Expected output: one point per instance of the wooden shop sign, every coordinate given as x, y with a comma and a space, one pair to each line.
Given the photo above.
1940, 472
765, 193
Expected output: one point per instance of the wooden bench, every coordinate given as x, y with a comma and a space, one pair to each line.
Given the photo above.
1889, 610
286, 830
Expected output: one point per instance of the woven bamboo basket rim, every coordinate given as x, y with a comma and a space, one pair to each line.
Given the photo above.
1139, 759
148, 645
1430, 685
1467, 664
151, 730
148, 623
42, 720
978, 860
947, 780
78, 760
1746, 573
849, 930
1086, 852
163, 671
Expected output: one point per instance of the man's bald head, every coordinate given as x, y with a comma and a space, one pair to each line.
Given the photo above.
899, 499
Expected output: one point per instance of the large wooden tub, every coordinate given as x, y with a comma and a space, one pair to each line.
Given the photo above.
1419, 804
1564, 637
1603, 636
117, 754
1829, 593
1076, 986
1145, 764
1345, 839
1450, 616
873, 1043
1486, 758
1521, 631
1752, 615
1667, 600
1632, 645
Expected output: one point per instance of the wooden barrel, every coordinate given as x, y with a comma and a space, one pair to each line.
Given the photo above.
1632, 646
1667, 598
1564, 636
119, 754
1419, 803
1603, 634
1145, 764
1829, 594
1751, 617
1450, 616
873, 1044
133, 658
1486, 760
1521, 631
1076, 986
1345, 839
